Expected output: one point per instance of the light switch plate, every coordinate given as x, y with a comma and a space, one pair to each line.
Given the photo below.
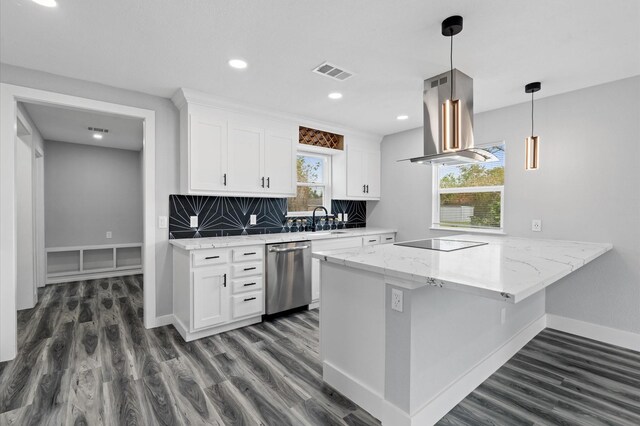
536, 225
193, 221
109, 234
345, 217
163, 222
253, 219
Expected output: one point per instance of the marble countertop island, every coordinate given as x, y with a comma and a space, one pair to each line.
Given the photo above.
506, 268
248, 240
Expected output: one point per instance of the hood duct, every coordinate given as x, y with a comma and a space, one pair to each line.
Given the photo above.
448, 126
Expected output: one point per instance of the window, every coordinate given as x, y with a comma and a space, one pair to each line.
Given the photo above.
313, 187
470, 196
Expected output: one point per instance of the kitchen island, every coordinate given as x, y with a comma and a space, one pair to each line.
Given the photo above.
407, 333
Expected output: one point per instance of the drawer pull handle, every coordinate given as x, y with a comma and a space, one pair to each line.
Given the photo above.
212, 257
248, 299
372, 241
248, 284
250, 269
224, 282
389, 238
249, 254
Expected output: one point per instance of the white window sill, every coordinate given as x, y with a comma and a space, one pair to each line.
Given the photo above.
469, 230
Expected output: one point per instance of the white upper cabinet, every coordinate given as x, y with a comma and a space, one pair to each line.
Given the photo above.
246, 158
206, 152
356, 173
280, 161
231, 153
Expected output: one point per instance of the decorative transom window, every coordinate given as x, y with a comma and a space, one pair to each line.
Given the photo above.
313, 188
470, 196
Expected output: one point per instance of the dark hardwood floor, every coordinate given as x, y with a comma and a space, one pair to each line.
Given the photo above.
85, 358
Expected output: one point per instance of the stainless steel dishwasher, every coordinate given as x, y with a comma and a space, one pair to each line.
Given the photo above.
288, 276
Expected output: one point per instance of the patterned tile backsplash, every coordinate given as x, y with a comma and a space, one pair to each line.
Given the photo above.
222, 216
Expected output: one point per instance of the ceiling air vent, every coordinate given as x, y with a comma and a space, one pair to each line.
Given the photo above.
332, 71
98, 130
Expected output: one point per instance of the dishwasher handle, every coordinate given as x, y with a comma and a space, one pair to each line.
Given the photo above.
284, 250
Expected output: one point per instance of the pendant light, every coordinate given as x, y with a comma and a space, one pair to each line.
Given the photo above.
451, 107
532, 143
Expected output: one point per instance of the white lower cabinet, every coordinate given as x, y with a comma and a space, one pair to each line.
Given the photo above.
216, 290
210, 297
339, 244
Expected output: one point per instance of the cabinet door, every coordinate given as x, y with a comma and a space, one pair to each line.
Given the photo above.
207, 152
315, 279
280, 161
372, 173
246, 153
355, 172
210, 297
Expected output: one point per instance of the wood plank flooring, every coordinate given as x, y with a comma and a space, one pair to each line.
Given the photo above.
557, 379
85, 358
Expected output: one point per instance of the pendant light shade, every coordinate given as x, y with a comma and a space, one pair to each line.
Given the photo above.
451, 107
532, 143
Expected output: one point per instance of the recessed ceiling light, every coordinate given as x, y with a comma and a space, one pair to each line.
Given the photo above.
335, 95
46, 3
238, 64
97, 136
402, 117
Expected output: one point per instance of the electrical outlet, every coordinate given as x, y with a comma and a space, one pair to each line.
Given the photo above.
163, 222
193, 221
109, 234
253, 219
536, 225
339, 217
396, 299
503, 315
345, 217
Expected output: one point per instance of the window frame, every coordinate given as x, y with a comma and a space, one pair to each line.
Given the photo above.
436, 191
326, 184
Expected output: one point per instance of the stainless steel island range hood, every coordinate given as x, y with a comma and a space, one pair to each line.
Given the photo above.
448, 121
448, 113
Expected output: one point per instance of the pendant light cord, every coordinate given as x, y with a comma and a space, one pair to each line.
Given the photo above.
451, 62
532, 114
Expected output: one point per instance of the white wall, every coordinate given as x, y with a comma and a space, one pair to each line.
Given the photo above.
90, 190
588, 188
167, 152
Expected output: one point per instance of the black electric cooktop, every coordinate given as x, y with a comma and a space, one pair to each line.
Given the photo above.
441, 244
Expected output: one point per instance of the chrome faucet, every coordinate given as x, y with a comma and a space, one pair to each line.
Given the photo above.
313, 219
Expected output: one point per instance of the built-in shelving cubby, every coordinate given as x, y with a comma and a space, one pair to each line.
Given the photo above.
85, 262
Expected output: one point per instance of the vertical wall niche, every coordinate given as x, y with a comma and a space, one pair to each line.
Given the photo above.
224, 216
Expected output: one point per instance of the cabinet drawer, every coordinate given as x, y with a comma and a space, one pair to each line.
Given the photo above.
246, 304
246, 269
371, 240
248, 253
387, 238
210, 257
247, 284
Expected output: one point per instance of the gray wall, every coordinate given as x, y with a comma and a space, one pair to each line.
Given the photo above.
587, 189
90, 190
167, 151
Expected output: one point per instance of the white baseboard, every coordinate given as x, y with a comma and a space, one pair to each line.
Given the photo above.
612, 336
163, 320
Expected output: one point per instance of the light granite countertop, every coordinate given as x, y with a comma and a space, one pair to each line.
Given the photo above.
507, 268
249, 240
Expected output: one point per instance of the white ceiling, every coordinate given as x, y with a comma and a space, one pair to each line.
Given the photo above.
157, 46
71, 125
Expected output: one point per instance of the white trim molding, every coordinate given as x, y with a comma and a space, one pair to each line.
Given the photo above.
10, 95
601, 333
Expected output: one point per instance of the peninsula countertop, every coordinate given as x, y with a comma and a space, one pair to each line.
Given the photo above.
507, 268
249, 240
